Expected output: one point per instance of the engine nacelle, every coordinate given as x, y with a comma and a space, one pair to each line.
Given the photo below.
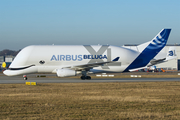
65, 73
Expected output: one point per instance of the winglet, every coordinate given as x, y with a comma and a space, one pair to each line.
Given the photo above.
116, 59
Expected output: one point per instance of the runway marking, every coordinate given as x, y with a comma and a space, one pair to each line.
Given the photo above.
30, 83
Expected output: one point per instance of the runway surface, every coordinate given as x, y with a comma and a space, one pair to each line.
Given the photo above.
19, 79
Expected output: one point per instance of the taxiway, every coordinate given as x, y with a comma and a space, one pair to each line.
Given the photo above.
18, 79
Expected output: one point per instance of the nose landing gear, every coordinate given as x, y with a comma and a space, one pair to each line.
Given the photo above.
25, 77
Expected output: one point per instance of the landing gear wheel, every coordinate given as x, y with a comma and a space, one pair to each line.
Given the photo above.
88, 77
24, 77
83, 77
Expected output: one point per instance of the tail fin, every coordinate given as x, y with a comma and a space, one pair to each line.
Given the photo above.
171, 54
150, 49
158, 42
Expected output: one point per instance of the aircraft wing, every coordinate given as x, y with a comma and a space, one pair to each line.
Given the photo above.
90, 65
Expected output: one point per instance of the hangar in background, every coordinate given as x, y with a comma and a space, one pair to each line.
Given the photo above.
8, 59
169, 65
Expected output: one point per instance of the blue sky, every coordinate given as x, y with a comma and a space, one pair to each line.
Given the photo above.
77, 22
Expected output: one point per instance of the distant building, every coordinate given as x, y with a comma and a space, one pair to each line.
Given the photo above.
8, 59
2, 58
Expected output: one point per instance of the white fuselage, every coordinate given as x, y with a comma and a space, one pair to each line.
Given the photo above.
69, 60
49, 58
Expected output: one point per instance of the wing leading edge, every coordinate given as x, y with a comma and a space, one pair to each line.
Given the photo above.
90, 65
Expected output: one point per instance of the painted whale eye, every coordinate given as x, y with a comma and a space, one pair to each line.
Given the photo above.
42, 62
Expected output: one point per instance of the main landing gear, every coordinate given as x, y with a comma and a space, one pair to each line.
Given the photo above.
84, 76
25, 77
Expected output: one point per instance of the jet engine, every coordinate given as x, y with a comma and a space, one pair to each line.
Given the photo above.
65, 72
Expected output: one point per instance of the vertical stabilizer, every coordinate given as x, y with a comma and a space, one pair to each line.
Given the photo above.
150, 49
159, 41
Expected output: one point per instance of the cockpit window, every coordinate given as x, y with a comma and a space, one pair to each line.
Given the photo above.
42, 62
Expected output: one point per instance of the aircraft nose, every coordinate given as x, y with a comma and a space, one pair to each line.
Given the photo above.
7, 73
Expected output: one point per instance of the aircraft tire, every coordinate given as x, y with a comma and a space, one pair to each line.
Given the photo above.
83, 77
88, 77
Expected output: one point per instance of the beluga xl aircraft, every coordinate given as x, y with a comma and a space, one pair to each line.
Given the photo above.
71, 60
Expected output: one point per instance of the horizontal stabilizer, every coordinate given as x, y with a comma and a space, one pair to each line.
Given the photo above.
171, 54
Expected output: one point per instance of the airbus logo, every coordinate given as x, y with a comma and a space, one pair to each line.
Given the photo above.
172, 53
93, 56
76, 57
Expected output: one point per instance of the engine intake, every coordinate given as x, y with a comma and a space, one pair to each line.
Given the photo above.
65, 73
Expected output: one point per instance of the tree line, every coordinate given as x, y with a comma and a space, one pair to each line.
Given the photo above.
9, 52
